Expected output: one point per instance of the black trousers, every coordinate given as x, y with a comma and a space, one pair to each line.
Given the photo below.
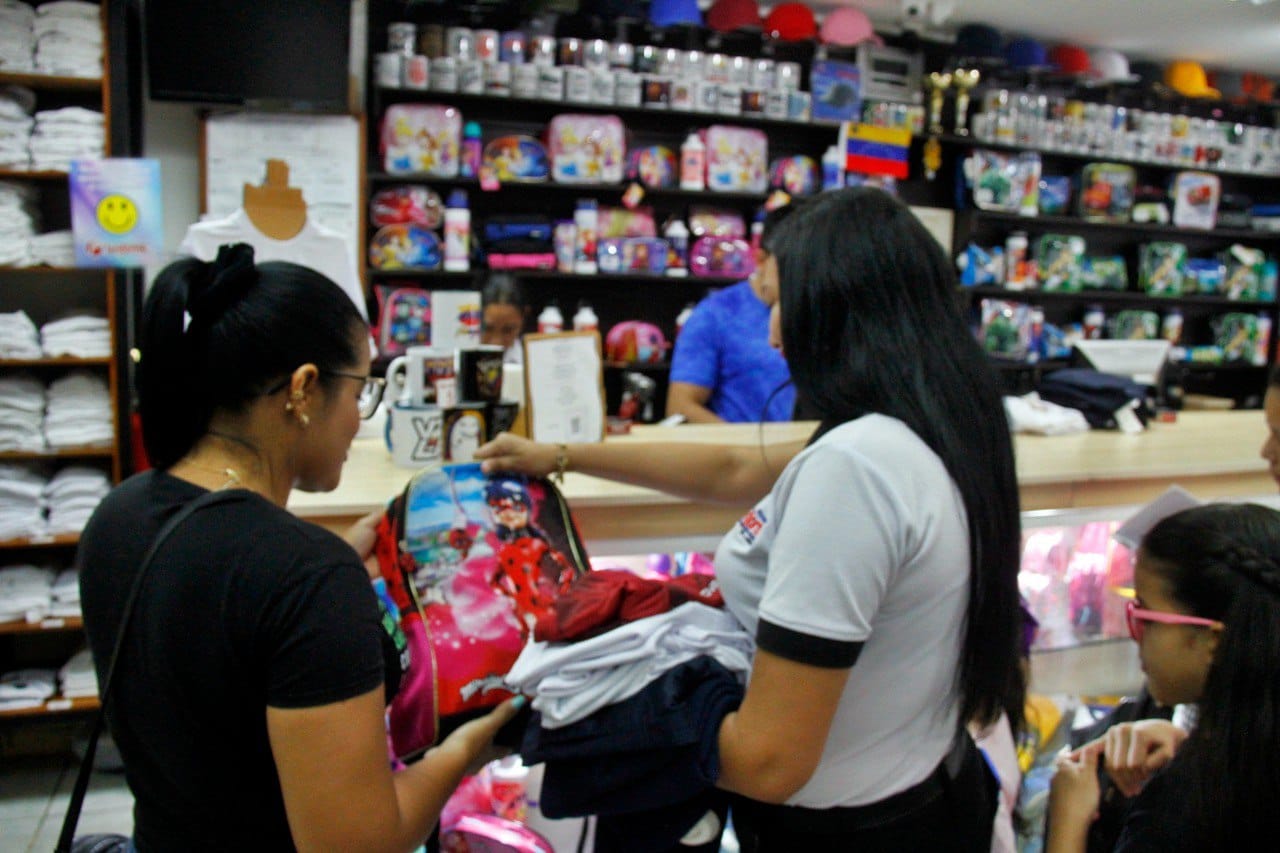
952, 810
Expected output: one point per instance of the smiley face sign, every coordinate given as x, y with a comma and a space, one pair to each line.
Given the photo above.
117, 214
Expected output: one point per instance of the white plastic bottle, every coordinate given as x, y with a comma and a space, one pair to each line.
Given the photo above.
693, 163
586, 221
585, 320
551, 320
677, 236
457, 233
832, 169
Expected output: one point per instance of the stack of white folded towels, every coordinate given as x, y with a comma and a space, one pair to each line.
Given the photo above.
26, 592
22, 502
66, 134
19, 337
72, 495
54, 248
17, 37
68, 36
22, 404
27, 688
18, 222
80, 335
78, 411
77, 676
66, 594
16, 104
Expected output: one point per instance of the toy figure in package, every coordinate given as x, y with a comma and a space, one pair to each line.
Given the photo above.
1004, 329
471, 561
421, 138
1106, 192
1195, 199
1134, 325
1058, 258
1162, 266
1244, 272
1106, 273
1005, 182
1237, 335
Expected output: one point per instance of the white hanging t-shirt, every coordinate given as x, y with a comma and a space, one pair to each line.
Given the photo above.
315, 246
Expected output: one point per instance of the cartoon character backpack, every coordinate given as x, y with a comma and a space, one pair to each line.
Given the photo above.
470, 561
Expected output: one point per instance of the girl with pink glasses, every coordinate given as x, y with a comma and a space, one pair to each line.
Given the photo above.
1206, 618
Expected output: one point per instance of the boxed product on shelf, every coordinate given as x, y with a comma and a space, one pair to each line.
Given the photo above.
836, 89
653, 166
1004, 328
645, 255
1162, 266
1205, 275
404, 246
1105, 273
586, 149
737, 159
721, 256
1106, 192
421, 138
1058, 262
621, 222
403, 320
1195, 199
980, 266
707, 221
1134, 325
1004, 181
516, 159
1055, 195
1238, 334
407, 204
1249, 274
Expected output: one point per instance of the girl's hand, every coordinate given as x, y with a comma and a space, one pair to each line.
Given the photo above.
1074, 793
361, 537
510, 452
475, 738
1132, 752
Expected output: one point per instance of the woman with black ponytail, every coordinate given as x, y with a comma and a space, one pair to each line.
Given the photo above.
250, 686
1206, 617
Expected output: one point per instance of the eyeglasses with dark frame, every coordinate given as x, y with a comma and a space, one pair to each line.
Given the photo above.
370, 392
1137, 617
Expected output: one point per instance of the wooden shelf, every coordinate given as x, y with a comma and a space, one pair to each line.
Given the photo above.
105, 451
31, 175
52, 82
55, 706
1075, 223
974, 142
553, 275
55, 623
60, 540
54, 361
1127, 296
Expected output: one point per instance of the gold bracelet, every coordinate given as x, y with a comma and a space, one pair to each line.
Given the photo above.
562, 462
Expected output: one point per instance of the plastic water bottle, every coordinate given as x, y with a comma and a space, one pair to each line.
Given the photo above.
693, 163
585, 319
457, 233
551, 320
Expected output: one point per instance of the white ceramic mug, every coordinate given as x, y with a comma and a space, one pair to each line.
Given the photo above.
411, 377
415, 435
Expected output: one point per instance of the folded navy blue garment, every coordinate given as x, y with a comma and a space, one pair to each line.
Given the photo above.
657, 749
661, 830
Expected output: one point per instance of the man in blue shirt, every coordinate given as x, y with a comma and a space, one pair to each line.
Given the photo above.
723, 368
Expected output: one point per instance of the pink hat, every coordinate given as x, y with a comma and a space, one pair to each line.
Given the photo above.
847, 26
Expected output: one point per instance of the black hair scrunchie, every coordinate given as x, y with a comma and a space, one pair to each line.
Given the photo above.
230, 277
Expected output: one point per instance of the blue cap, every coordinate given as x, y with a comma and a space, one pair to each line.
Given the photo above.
1026, 53
664, 13
978, 41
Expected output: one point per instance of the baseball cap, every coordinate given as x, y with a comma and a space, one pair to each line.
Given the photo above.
727, 15
791, 22
1149, 73
1188, 78
665, 13
1069, 59
1258, 87
1229, 83
1026, 53
847, 26
977, 41
1110, 66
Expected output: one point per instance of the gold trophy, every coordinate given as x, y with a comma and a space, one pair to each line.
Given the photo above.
964, 79
937, 83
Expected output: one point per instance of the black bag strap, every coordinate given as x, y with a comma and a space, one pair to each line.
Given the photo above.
86, 766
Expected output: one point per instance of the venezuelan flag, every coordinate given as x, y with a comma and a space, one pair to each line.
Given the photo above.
875, 150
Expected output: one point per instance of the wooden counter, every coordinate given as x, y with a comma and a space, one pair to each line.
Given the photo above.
1212, 454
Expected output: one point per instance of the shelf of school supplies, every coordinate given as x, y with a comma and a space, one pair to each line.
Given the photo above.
51, 82
1115, 296
1156, 230
56, 705
536, 109
1091, 157
525, 188
554, 275
55, 623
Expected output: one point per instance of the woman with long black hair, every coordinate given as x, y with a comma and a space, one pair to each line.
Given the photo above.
878, 569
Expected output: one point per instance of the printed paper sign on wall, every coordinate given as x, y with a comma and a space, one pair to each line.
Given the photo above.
116, 218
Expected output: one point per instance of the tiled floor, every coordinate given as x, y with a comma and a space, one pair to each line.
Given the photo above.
33, 801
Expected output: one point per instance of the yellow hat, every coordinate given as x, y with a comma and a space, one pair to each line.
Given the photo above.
1188, 78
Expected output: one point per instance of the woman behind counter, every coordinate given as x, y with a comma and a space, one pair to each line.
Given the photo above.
249, 697
878, 569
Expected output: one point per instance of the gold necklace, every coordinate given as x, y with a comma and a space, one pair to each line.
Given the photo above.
233, 480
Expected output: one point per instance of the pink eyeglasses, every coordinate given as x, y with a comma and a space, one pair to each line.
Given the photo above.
1137, 617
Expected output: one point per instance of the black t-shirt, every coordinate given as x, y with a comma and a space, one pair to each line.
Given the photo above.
244, 606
